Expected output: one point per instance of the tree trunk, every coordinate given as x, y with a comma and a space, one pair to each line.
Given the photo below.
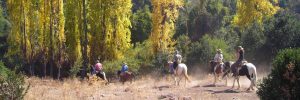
23, 30
44, 42
45, 68
58, 74
85, 41
51, 40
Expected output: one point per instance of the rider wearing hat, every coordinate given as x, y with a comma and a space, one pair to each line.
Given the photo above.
177, 59
239, 62
218, 57
240, 53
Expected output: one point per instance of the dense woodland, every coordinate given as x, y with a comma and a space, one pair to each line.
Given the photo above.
61, 38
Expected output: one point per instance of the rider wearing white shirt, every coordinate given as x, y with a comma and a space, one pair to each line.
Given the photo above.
218, 57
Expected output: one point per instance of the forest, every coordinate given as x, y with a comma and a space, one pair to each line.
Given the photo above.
61, 38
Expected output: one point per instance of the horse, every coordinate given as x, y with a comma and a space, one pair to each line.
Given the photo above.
248, 70
178, 72
100, 74
220, 69
128, 76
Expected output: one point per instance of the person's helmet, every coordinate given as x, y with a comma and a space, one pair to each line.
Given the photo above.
240, 48
219, 50
176, 51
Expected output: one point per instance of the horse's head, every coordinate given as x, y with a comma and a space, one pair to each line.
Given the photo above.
170, 66
118, 72
212, 63
228, 65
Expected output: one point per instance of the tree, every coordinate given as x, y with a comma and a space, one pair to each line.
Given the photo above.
249, 11
283, 81
164, 15
141, 24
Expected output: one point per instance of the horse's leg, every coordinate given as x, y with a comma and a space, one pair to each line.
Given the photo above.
105, 77
215, 76
233, 82
238, 81
175, 79
226, 78
180, 77
185, 82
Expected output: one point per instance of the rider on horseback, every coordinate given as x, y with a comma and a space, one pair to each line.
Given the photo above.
218, 58
124, 69
240, 61
98, 69
240, 56
177, 59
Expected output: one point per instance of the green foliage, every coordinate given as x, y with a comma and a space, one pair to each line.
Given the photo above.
205, 49
138, 57
182, 45
12, 85
283, 31
283, 82
141, 24
252, 38
76, 68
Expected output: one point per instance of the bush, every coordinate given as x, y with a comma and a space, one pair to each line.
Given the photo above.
205, 49
136, 57
283, 82
12, 85
76, 68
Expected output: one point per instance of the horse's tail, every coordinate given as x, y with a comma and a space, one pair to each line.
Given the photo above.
186, 75
253, 73
254, 77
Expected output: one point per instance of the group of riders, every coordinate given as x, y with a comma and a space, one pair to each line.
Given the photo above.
98, 69
218, 60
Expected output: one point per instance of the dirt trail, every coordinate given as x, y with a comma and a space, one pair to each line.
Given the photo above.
141, 89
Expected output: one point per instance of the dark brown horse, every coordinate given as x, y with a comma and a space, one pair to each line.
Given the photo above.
127, 76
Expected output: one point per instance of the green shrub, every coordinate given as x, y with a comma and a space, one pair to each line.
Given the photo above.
205, 49
76, 68
12, 85
137, 57
283, 83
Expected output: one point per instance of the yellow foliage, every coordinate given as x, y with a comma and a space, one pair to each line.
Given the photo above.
165, 13
249, 11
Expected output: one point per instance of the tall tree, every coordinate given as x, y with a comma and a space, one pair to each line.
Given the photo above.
249, 11
84, 40
165, 13
72, 30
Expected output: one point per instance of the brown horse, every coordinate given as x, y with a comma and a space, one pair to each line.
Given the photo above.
220, 70
127, 76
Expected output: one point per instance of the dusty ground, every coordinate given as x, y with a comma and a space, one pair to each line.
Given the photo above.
141, 89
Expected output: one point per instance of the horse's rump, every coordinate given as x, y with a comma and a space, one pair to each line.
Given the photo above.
125, 76
218, 69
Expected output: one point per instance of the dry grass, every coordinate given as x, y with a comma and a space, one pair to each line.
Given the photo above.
145, 88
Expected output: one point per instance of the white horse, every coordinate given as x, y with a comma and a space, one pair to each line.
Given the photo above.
248, 70
180, 71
